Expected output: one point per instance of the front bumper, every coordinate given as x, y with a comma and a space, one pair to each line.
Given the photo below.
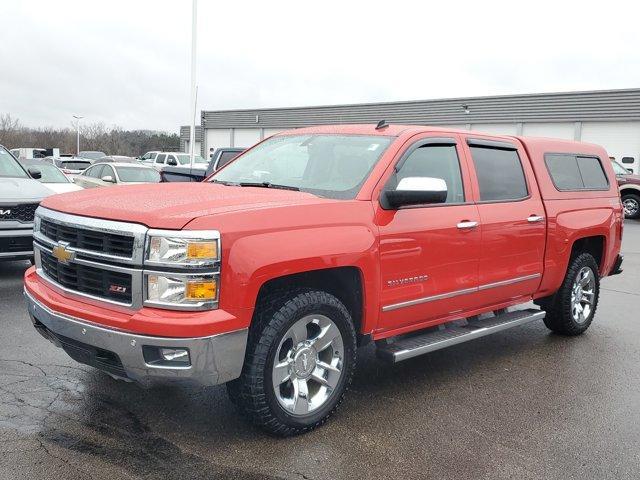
213, 360
16, 244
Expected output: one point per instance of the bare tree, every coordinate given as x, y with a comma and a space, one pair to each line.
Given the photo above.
93, 136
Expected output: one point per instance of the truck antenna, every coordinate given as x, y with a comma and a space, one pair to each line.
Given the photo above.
382, 124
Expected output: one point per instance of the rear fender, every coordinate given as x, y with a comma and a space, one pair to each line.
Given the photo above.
563, 232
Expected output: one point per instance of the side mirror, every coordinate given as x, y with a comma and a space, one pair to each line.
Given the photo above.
630, 170
415, 191
108, 178
35, 173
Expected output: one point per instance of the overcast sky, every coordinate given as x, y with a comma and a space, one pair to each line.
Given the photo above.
127, 63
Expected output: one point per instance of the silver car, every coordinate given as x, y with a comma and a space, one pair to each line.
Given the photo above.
106, 174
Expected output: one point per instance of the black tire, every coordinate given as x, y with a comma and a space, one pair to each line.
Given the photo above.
560, 318
635, 200
254, 392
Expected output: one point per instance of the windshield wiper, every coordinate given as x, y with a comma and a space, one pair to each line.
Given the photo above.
221, 182
267, 185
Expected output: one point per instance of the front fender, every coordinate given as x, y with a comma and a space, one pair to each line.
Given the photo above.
256, 259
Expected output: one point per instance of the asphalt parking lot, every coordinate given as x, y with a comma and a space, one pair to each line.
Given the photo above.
519, 404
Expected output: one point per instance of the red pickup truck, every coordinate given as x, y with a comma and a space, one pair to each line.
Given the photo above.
268, 275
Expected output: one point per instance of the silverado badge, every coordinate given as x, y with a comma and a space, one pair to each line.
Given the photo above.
62, 254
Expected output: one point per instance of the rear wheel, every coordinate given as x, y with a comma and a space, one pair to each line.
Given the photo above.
300, 359
571, 310
631, 204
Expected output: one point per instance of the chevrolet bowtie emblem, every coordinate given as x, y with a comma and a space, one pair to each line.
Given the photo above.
62, 254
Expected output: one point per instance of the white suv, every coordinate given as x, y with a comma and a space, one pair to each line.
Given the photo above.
179, 159
149, 157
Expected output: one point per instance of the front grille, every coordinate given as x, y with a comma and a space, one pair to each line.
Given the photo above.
16, 244
110, 243
23, 212
105, 284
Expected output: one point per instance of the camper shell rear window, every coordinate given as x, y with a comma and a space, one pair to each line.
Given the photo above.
575, 172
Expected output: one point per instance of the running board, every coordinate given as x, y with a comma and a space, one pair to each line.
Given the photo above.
435, 339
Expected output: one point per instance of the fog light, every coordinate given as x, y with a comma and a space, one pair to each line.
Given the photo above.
180, 355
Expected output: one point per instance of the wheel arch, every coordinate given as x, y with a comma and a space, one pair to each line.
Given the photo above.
345, 283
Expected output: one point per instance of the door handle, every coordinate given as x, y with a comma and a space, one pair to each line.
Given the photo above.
535, 218
467, 225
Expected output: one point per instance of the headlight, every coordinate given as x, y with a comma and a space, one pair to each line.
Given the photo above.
36, 223
183, 248
181, 290
193, 258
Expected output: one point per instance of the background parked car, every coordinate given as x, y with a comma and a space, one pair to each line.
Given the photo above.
70, 166
179, 159
20, 195
221, 157
149, 157
106, 174
629, 185
93, 155
51, 176
26, 153
184, 172
117, 159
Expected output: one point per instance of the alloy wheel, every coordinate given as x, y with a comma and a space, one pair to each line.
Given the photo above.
631, 207
583, 295
308, 365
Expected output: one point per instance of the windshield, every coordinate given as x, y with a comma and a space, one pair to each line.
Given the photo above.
332, 166
92, 155
619, 169
133, 174
183, 159
50, 174
9, 166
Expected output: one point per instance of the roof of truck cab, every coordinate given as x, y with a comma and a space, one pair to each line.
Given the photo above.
393, 130
542, 143
356, 129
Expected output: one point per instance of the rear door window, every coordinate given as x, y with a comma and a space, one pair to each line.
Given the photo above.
500, 174
160, 158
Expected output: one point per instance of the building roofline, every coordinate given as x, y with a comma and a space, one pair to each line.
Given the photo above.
429, 100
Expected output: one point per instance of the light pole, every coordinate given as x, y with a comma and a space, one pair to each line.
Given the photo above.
192, 133
77, 117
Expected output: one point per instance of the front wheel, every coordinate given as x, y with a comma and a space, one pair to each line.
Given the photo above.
571, 310
300, 359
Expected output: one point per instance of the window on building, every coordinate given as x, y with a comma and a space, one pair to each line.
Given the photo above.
436, 161
500, 174
629, 160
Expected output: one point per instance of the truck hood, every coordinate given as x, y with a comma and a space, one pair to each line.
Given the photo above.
22, 190
172, 205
